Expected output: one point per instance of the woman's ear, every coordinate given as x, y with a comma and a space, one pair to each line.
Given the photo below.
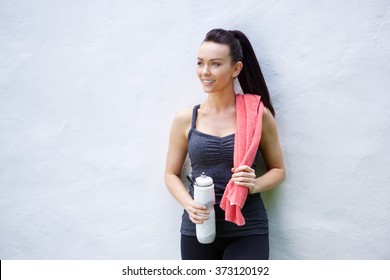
237, 69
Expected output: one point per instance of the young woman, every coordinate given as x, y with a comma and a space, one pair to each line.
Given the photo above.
207, 133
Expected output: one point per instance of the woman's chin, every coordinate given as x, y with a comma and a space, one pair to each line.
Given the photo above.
208, 90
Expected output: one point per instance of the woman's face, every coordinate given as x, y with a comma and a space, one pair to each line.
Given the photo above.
215, 68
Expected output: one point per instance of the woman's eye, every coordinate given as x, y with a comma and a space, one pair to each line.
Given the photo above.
199, 63
216, 64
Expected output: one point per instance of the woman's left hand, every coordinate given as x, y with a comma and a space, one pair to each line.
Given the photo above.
245, 176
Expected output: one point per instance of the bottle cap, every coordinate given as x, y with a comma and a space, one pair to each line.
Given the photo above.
204, 180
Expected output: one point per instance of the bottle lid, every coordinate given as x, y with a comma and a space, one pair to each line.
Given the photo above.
204, 180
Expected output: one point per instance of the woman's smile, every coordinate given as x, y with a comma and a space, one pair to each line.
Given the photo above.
207, 82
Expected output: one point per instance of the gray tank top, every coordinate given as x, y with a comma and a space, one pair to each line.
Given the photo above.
214, 156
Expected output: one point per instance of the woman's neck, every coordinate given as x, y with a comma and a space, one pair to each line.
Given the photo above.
220, 101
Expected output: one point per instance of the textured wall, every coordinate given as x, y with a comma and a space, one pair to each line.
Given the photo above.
88, 90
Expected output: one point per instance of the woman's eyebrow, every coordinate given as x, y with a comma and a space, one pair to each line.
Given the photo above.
217, 58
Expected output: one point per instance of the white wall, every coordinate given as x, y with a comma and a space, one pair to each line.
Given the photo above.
88, 90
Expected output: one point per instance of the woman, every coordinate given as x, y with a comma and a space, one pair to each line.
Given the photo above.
207, 133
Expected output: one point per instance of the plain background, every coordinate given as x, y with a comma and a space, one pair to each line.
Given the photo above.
88, 91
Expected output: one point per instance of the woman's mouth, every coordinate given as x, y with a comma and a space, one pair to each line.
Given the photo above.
208, 82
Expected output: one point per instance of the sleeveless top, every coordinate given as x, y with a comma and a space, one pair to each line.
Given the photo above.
214, 156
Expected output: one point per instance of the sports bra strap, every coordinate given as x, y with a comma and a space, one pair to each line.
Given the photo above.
194, 117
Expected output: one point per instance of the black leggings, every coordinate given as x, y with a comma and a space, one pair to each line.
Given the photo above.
252, 247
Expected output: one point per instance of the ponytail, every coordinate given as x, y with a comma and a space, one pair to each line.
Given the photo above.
251, 78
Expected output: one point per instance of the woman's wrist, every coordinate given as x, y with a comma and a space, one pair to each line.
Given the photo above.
269, 180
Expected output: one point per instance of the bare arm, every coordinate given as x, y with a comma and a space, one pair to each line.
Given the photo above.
177, 152
272, 153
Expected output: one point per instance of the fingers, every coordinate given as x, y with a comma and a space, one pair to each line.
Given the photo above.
243, 168
197, 212
244, 176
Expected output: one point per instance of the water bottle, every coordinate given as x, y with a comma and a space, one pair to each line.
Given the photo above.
204, 194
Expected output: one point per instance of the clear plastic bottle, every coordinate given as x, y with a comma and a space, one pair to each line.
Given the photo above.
204, 194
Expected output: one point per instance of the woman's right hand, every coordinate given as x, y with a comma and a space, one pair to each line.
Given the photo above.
197, 212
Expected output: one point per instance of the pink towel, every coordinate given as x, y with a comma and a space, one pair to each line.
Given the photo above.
249, 112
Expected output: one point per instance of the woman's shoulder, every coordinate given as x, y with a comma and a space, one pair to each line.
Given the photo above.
184, 115
268, 120
183, 119
267, 114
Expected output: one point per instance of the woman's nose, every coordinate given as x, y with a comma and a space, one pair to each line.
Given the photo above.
205, 70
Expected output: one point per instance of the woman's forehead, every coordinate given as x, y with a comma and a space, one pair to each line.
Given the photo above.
211, 50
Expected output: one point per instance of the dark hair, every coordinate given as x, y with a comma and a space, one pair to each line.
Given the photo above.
251, 78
